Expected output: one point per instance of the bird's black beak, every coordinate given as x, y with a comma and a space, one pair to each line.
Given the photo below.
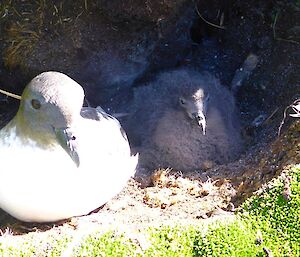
68, 141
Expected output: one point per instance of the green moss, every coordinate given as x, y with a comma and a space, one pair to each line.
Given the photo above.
49, 246
176, 241
277, 218
234, 239
108, 244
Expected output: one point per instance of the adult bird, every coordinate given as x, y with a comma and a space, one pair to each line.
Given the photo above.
59, 159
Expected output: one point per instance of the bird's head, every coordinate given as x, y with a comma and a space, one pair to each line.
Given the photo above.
195, 106
50, 106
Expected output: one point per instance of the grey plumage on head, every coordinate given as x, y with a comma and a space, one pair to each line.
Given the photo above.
194, 102
59, 97
183, 118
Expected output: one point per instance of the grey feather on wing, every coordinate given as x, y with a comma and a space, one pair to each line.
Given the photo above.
94, 113
99, 114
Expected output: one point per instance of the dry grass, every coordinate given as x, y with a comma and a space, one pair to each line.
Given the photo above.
23, 31
28, 22
171, 188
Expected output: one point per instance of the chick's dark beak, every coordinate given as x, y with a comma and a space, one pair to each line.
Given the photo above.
67, 139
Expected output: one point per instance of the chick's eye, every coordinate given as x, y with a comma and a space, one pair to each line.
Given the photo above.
35, 104
181, 101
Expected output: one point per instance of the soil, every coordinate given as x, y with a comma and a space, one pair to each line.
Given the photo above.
109, 48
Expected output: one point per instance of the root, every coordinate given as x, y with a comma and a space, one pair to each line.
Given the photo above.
295, 106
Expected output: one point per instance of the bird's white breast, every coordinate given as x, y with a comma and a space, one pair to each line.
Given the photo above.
46, 185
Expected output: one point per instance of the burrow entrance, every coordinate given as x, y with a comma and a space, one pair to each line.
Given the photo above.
111, 49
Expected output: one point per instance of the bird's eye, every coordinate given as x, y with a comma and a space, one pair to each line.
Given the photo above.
35, 104
182, 101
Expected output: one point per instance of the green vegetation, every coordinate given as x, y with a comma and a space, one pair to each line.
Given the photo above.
276, 217
266, 225
33, 246
108, 244
266, 222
